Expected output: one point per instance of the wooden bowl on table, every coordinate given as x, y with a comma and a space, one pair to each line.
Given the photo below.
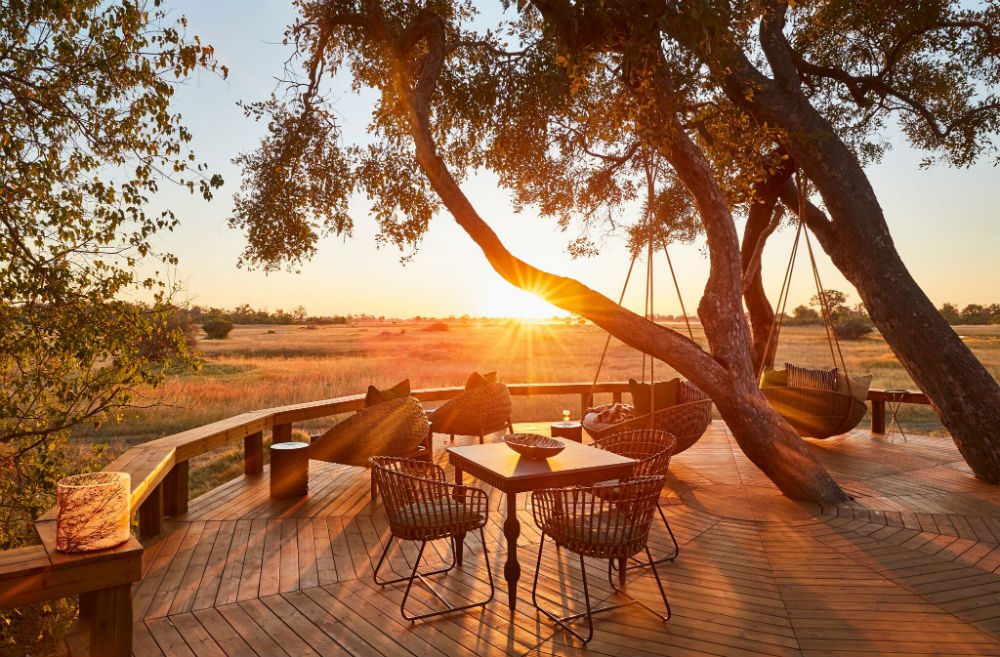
533, 446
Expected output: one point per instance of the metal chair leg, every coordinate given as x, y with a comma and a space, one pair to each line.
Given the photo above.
659, 583
405, 578
417, 575
564, 621
677, 548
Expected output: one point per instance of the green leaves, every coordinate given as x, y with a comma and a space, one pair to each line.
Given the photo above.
87, 138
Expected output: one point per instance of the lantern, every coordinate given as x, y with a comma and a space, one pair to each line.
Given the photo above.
92, 511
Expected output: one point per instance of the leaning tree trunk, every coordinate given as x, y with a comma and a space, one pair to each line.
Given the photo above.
762, 434
761, 222
964, 394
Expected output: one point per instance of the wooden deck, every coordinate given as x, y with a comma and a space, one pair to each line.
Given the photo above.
908, 570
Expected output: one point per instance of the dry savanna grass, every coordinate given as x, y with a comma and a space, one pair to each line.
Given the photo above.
262, 366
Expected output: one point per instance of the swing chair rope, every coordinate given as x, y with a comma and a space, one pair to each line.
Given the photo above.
778, 322
648, 307
677, 287
607, 341
827, 316
831, 334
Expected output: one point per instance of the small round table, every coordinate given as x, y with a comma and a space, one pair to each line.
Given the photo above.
569, 430
893, 404
289, 470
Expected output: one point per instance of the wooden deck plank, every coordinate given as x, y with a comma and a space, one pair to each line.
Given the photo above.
907, 568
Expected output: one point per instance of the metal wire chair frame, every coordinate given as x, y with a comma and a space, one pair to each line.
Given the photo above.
624, 525
422, 506
652, 448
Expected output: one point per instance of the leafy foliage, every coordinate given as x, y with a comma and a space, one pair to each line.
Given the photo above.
553, 99
87, 136
217, 328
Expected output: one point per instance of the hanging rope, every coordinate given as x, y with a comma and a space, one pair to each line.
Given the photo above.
828, 316
779, 317
677, 287
607, 341
831, 334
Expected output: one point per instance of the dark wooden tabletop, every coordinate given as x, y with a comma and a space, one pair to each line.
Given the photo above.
500, 466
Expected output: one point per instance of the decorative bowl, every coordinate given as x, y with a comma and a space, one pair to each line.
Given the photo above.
533, 446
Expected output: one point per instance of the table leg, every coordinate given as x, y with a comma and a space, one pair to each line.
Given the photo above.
459, 538
511, 569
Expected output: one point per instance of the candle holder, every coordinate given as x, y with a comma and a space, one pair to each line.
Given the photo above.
92, 511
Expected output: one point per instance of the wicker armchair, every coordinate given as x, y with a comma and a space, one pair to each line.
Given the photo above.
475, 412
422, 506
605, 521
686, 420
397, 427
652, 449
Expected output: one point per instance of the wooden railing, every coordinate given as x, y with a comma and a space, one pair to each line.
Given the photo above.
159, 471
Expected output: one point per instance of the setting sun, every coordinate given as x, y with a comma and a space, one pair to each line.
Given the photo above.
500, 299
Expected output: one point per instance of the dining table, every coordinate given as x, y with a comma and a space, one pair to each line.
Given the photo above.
499, 466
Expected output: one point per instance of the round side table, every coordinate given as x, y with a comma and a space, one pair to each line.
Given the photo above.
289, 470
568, 430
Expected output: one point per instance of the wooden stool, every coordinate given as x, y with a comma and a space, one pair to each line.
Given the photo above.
289, 470
568, 430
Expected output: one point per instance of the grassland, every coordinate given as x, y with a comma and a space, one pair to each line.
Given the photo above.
262, 366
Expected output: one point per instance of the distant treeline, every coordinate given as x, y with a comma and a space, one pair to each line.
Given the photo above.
244, 314
971, 314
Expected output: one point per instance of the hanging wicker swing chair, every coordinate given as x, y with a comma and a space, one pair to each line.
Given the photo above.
812, 412
687, 419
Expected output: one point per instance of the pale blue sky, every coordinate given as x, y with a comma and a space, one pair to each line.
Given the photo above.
945, 221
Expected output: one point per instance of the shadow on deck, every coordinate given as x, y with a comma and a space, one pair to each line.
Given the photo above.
907, 569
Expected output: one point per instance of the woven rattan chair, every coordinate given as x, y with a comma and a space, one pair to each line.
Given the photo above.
397, 427
687, 420
605, 521
475, 412
652, 449
422, 506
815, 413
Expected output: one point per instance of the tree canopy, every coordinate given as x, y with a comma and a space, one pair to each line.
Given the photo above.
87, 137
571, 104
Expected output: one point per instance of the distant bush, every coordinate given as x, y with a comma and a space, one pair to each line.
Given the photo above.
854, 328
171, 333
437, 326
217, 329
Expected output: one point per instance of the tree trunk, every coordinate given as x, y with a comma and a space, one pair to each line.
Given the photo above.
856, 236
963, 393
761, 222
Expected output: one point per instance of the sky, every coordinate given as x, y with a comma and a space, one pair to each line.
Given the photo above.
946, 222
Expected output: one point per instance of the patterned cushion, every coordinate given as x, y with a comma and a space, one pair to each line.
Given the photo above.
439, 512
803, 377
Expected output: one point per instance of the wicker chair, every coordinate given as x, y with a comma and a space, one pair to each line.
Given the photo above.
686, 420
604, 521
422, 506
652, 449
397, 427
475, 412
